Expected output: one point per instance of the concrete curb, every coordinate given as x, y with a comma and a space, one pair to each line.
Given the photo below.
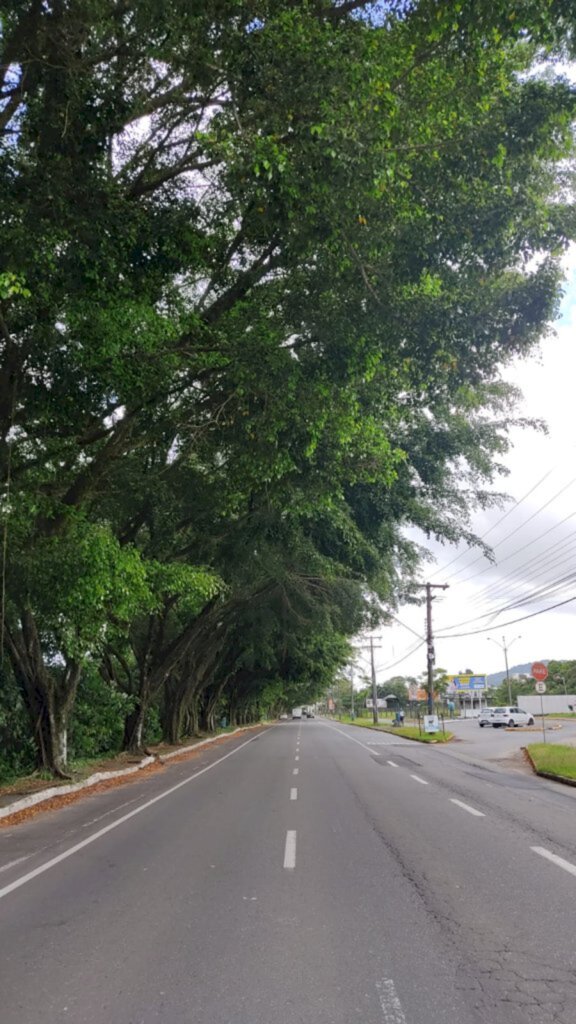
74, 787
547, 775
55, 791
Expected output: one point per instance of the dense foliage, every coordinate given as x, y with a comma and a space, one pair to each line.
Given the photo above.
261, 264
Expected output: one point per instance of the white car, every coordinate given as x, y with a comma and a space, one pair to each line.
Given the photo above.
485, 717
510, 716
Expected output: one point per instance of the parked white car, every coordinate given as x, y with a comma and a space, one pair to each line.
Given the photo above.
485, 717
510, 716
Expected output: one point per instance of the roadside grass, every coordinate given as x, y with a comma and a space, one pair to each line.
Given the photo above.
560, 714
409, 732
554, 758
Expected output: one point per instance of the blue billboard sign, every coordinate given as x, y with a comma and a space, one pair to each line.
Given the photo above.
468, 682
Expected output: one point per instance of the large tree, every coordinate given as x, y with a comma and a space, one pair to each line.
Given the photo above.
280, 249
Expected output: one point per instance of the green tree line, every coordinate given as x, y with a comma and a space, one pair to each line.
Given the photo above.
261, 266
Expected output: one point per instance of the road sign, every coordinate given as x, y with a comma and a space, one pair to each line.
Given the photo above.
540, 687
539, 671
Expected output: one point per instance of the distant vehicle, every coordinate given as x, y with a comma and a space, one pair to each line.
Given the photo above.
283, 717
485, 717
297, 713
309, 713
510, 716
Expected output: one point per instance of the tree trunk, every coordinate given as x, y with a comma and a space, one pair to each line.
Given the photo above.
134, 729
172, 715
48, 694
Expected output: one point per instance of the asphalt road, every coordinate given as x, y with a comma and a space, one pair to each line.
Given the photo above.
491, 744
309, 873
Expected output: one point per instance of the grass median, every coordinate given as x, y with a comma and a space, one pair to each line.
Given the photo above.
554, 759
409, 732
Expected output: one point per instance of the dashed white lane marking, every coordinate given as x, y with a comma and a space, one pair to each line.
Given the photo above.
13, 863
297, 758
418, 779
294, 794
115, 824
295, 771
561, 863
392, 764
390, 1003
290, 851
108, 813
466, 807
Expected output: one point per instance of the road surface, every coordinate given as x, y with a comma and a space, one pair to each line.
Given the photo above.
312, 873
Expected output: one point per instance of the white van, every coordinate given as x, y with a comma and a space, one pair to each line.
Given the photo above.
296, 713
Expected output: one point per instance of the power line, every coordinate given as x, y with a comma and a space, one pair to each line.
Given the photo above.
392, 664
506, 587
501, 625
543, 591
497, 523
557, 549
514, 532
498, 565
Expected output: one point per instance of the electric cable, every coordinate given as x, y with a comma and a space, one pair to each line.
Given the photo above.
497, 523
501, 625
515, 531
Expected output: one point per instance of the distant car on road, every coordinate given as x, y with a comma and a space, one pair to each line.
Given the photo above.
510, 716
297, 713
284, 717
485, 717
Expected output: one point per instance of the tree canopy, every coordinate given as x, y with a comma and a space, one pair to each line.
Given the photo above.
261, 266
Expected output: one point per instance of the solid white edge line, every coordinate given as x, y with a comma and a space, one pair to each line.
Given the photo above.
559, 861
466, 807
418, 779
294, 794
115, 824
353, 738
290, 851
295, 771
392, 764
390, 1003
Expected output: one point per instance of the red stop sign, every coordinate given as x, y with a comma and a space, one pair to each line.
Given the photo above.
539, 671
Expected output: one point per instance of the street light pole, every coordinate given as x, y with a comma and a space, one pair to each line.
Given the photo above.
506, 648
507, 670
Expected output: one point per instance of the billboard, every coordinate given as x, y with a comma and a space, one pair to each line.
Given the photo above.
467, 683
380, 702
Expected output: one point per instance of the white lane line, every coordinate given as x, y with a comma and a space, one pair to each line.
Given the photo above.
392, 764
555, 860
294, 794
418, 779
466, 807
353, 738
113, 811
390, 1003
297, 758
295, 771
290, 851
13, 863
115, 824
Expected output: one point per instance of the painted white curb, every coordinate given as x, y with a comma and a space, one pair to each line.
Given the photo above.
93, 780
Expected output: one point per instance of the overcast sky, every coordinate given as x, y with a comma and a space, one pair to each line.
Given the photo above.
534, 541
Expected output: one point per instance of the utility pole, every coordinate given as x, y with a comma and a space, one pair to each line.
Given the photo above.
374, 689
430, 640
